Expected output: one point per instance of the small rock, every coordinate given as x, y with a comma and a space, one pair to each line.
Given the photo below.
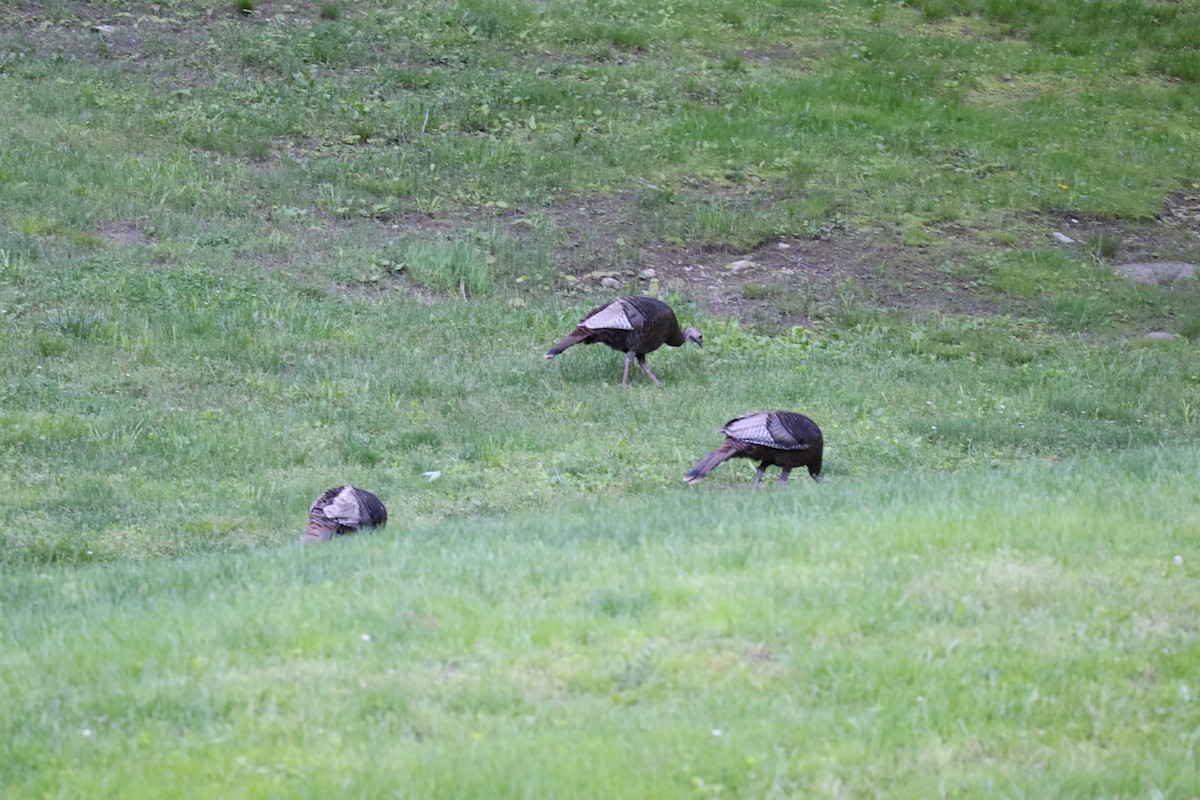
1062, 238
103, 29
784, 246
609, 282
740, 264
647, 274
1161, 335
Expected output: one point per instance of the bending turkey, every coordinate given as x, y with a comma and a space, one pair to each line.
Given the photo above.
634, 326
775, 438
343, 510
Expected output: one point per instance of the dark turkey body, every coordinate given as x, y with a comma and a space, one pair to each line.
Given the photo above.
343, 510
634, 326
653, 325
781, 439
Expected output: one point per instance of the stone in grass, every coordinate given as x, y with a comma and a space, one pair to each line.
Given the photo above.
609, 282
1157, 272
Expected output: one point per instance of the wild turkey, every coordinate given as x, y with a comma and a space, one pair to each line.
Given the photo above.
343, 510
634, 326
774, 438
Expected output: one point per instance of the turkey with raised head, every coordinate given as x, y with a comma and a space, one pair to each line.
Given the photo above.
774, 438
343, 510
634, 326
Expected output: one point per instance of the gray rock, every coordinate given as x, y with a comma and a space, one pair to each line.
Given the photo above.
1157, 272
1161, 335
609, 282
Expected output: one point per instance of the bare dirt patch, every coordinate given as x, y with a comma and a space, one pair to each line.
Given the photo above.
1158, 272
785, 282
779, 283
122, 232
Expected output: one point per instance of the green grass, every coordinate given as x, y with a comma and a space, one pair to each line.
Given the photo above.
208, 424
449, 267
245, 257
1006, 632
488, 122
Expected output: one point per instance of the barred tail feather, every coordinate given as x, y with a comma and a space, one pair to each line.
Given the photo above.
319, 529
710, 462
571, 339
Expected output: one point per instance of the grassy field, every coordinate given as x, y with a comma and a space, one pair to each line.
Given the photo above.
1024, 632
252, 250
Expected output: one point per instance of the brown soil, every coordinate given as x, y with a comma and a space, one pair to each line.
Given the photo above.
780, 283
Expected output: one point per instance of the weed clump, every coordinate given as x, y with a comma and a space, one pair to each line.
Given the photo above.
1103, 246
449, 266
